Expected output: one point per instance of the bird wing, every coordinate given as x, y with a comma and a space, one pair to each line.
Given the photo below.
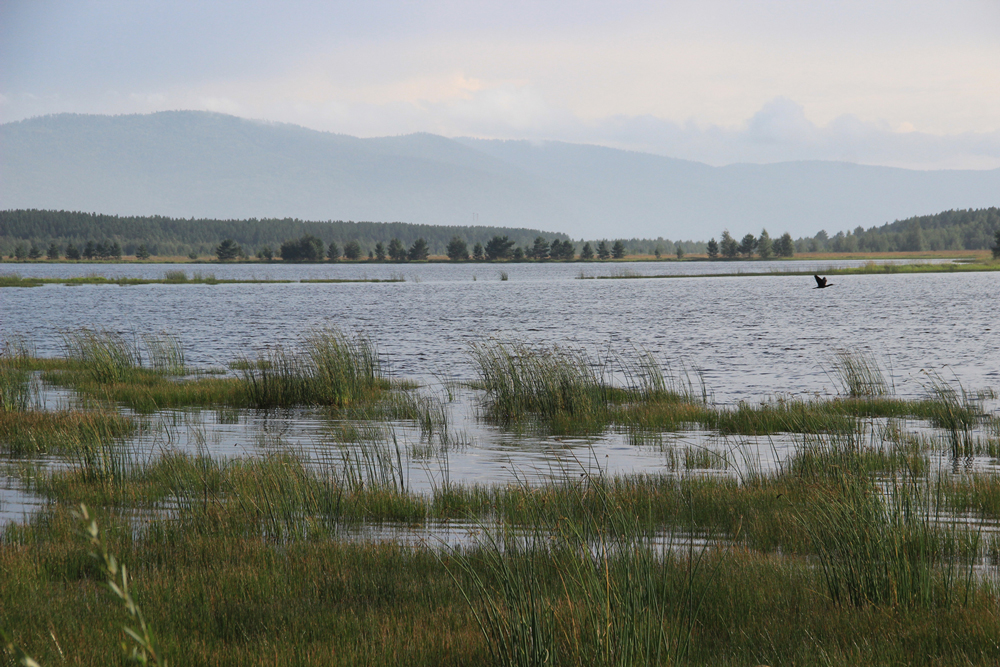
819, 281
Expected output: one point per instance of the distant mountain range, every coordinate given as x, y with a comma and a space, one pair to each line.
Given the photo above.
207, 165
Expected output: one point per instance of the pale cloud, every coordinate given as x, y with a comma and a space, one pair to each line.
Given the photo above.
901, 82
221, 105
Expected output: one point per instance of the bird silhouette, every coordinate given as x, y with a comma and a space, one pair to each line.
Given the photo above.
821, 282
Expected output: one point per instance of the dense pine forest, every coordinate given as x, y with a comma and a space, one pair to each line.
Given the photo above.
32, 234
971, 229
164, 236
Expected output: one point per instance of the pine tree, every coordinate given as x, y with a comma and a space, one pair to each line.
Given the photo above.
729, 247
397, 251
457, 250
227, 250
419, 250
764, 245
540, 249
713, 249
499, 247
352, 250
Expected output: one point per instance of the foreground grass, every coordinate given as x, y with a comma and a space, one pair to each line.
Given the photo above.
247, 566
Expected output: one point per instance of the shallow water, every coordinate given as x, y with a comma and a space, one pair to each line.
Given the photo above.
746, 338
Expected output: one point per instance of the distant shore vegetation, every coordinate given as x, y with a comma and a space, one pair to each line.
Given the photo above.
37, 235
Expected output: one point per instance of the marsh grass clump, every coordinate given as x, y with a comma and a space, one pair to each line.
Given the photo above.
521, 381
376, 462
333, 369
888, 548
553, 594
165, 353
780, 416
346, 369
39, 432
175, 276
109, 357
15, 387
427, 412
566, 388
956, 410
859, 374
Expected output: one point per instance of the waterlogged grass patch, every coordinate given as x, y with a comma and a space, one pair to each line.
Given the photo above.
39, 432
569, 389
332, 369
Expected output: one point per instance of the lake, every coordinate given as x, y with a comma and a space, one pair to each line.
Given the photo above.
746, 338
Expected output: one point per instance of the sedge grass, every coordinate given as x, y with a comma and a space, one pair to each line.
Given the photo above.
147, 391
859, 373
39, 432
334, 369
568, 389
108, 356
231, 599
15, 387
573, 577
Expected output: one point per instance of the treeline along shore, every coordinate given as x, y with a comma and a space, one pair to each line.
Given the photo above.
30, 235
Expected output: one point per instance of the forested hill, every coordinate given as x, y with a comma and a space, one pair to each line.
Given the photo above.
187, 164
969, 229
171, 236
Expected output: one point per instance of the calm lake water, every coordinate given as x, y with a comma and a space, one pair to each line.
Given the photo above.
749, 338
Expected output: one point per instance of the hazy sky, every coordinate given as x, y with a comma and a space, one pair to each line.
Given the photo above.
913, 83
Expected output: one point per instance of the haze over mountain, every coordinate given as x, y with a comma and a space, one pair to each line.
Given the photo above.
202, 164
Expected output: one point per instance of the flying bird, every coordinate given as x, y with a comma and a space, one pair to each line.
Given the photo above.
821, 282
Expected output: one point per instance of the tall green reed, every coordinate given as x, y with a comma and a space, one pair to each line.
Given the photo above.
165, 353
565, 385
108, 356
16, 392
15, 387
888, 545
859, 374
585, 589
957, 410
376, 462
145, 649
333, 369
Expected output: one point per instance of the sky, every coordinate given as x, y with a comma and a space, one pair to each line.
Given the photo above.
912, 83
